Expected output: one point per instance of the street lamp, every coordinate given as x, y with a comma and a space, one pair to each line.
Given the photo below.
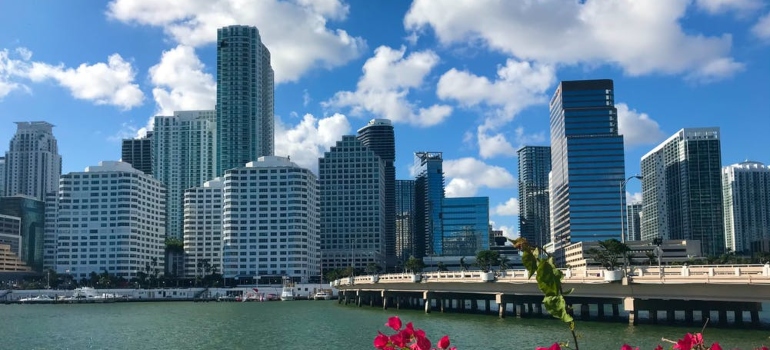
622, 219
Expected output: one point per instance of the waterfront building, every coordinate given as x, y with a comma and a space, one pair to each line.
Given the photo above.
111, 218
352, 186
138, 152
270, 221
10, 261
245, 102
682, 189
10, 233
31, 212
203, 228
641, 253
32, 163
634, 220
50, 231
746, 196
534, 210
428, 199
378, 135
404, 220
587, 163
465, 225
496, 236
2, 176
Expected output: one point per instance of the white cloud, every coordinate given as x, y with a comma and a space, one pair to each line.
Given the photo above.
126, 131
637, 128
509, 208
508, 231
721, 6
497, 144
633, 198
382, 90
641, 37
518, 85
111, 83
9, 68
181, 82
295, 32
310, 138
467, 175
762, 28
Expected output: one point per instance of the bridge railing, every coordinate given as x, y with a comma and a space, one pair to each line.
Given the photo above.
722, 274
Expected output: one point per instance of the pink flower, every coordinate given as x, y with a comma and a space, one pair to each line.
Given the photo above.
555, 346
628, 347
715, 346
380, 341
443, 343
394, 322
686, 343
422, 343
658, 347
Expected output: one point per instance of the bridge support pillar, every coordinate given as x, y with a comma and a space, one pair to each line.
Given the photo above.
385, 303
654, 315
600, 310
474, 305
517, 308
688, 319
501, 309
670, 316
629, 304
487, 306
426, 297
722, 315
755, 317
584, 312
539, 309
615, 311
705, 315
739, 316
398, 303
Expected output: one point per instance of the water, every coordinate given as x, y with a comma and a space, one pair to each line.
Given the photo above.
304, 325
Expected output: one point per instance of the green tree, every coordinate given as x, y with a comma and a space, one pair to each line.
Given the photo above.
505, 263
441, 267
414, 265
463, 265
485, 259
609, 253
650, 257
373, 268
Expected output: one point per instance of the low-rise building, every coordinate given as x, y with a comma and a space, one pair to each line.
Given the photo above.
642, 252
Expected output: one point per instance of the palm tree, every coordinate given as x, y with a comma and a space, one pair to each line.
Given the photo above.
608, 253
441, 267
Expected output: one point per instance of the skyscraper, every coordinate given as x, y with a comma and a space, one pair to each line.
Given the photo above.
183, 147
746, 195
31, 211
138, 153
280, 235
534, 215
245, 82
352, 185
428, 201
32, 163
634, 221
682, 189
121, 243
203, 227
465, 225
404, 219
2, 176
587, 163
379, 137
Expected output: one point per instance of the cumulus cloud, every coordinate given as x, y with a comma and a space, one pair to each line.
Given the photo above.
310, 138
467, 175
382, 90
640, 37
508, 231
493, 144
633, 198
721, 6
637, 128
296, 32
181, 82
10, 67
509, 208
762, 28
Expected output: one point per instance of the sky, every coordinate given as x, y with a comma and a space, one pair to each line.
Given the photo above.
471, 79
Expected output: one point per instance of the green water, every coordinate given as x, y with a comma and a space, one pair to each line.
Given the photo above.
302, 325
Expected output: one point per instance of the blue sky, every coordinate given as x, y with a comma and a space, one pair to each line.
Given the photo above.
470, 79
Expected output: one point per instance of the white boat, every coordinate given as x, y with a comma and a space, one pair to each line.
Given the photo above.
40, 299
89, 295
322, 295
287, 293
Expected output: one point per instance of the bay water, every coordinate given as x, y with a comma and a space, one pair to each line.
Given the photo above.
308, 325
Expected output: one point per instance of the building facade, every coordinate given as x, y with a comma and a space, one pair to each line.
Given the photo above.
746, 197
183, 147
270, 221
404, 220
245, 84
10, 233
352, 185
378, 135
465, 225
428, 200
534, 212
587, 163
203, 228
2, 176
50, 231
111, 218
634, 222
138, 153
682, 190
32, 163
31, 213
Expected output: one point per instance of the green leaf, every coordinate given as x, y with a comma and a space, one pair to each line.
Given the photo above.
548, 278
557, 307
530, 263
568, 292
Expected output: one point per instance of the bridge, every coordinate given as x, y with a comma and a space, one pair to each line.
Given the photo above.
678, 291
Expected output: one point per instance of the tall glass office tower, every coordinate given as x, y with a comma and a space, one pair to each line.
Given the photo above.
682, 189
587, 163
138, 153
379, 137
404, 219
428, 201
245, 100
534, 216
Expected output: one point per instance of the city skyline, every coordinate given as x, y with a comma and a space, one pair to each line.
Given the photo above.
450, 84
